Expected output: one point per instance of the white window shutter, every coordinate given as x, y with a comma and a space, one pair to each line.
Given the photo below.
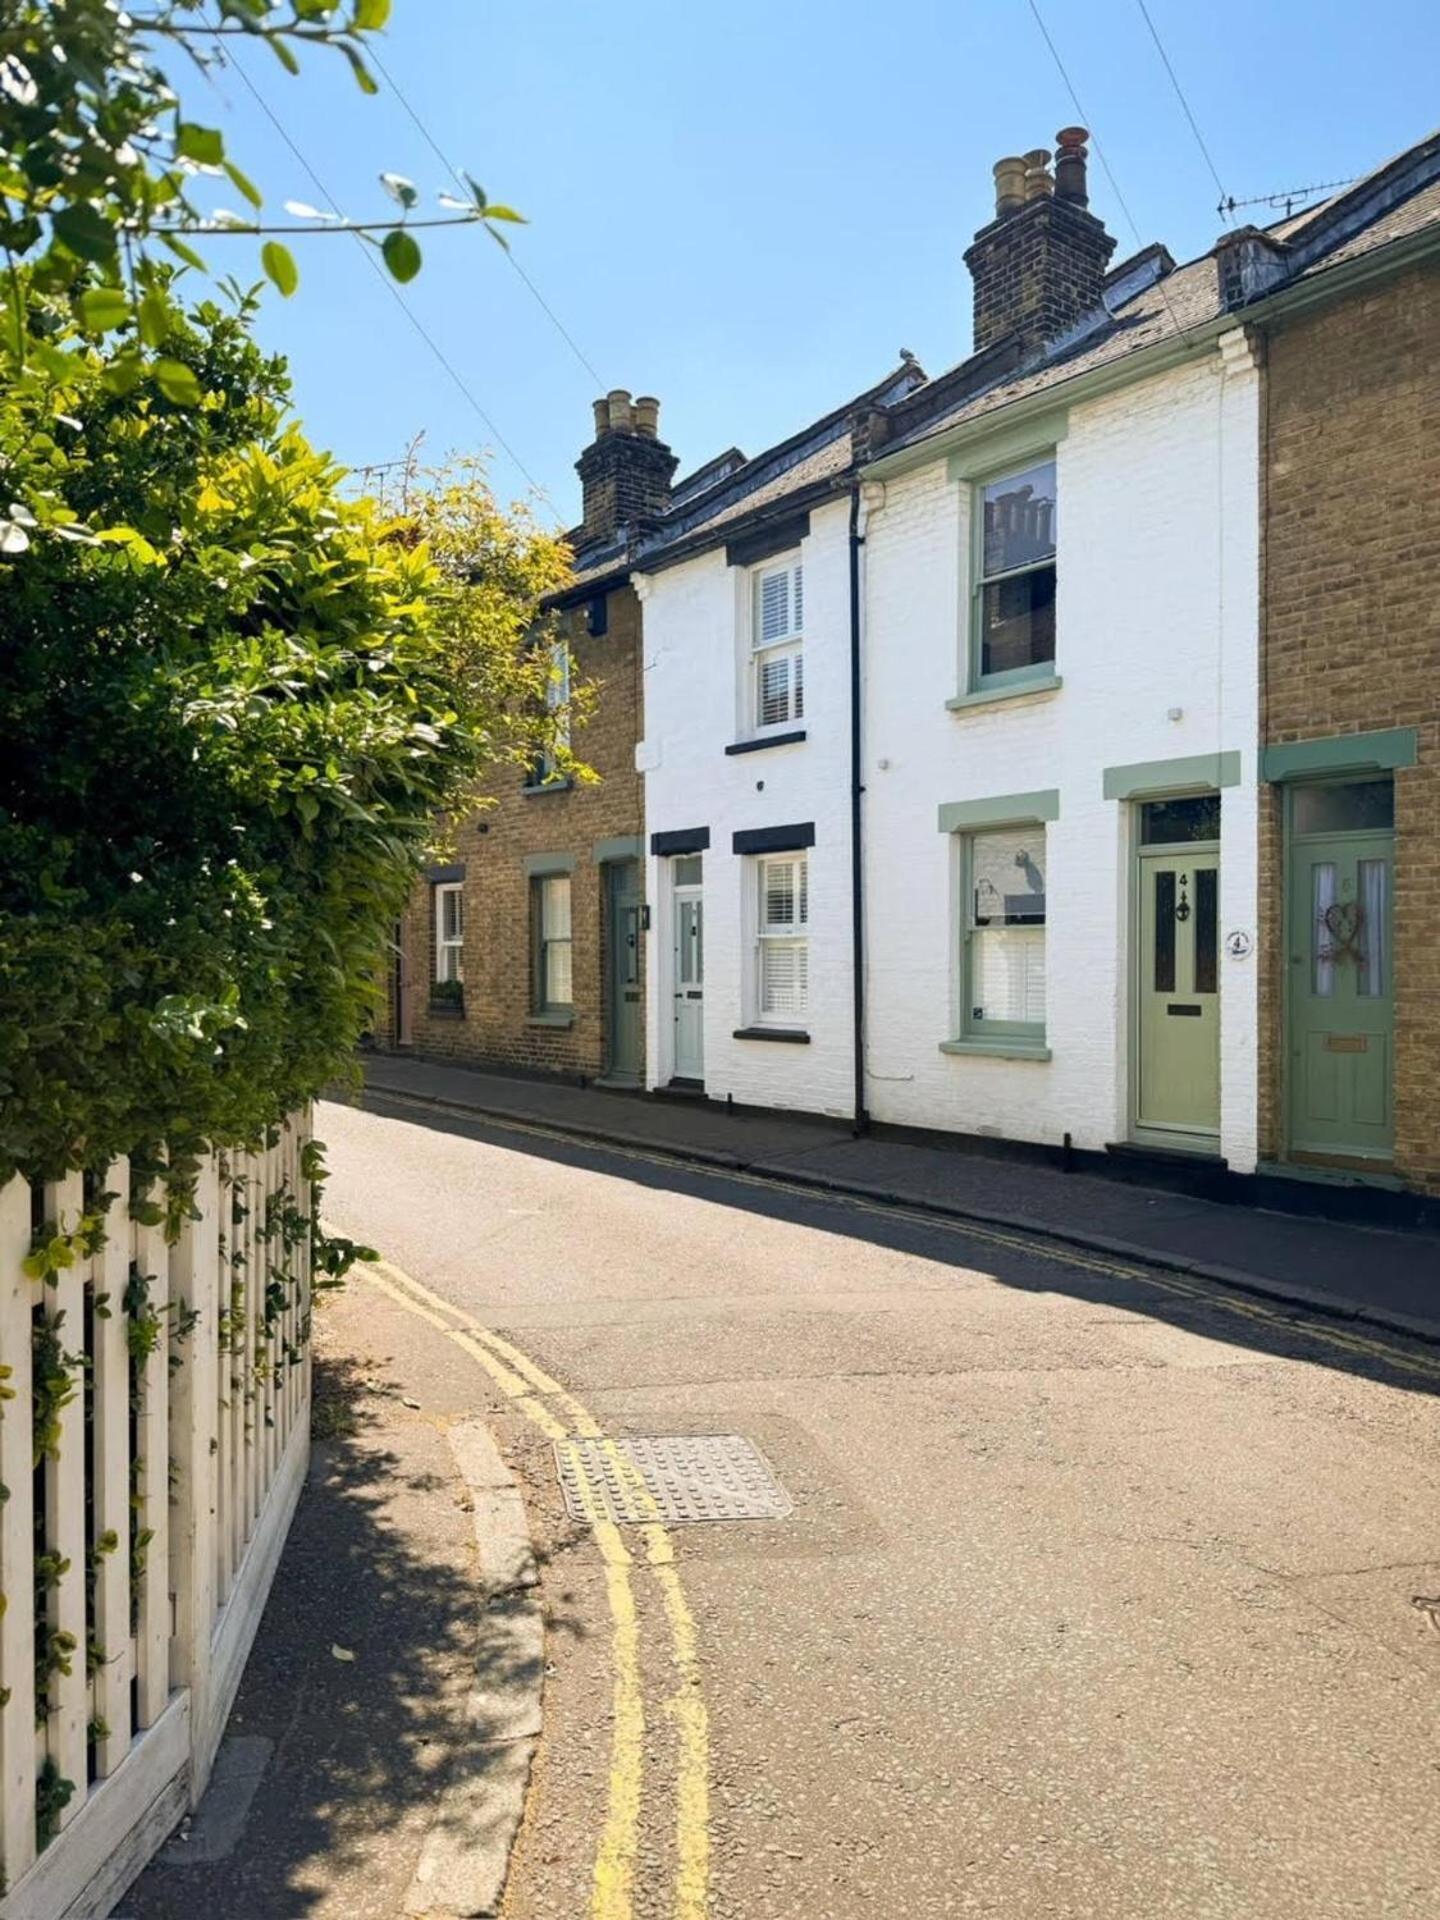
774, 622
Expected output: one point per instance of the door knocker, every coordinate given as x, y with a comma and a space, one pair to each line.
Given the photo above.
1182, 911
1344, 922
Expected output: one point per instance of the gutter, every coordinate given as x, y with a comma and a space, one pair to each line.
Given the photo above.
1163, 354
861, 1120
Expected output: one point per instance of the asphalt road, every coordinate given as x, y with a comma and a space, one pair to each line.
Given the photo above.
1098, 1596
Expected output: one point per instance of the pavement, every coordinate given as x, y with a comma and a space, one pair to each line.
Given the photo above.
1104, 1590
376, 1761
1384, 1278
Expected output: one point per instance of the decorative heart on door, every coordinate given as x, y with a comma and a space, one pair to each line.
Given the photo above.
1344, 922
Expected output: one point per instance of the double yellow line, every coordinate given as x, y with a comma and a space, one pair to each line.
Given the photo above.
560, 1416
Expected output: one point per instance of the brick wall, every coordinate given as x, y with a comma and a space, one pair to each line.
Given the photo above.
496, 1027
1352, 632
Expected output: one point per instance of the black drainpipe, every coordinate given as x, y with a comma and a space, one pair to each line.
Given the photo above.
861, 1122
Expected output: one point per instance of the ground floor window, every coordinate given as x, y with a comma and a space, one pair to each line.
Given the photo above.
550, 920
1003, 934
782, 959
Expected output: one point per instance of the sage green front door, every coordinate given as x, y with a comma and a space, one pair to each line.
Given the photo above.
1177, 1082
626, 1046
1340, 1005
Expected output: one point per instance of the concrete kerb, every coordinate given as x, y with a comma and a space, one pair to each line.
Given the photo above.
1262, 1286
465, 1855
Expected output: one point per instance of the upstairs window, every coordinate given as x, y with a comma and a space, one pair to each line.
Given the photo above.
778, 626
783, 957
557, 704
1014, 619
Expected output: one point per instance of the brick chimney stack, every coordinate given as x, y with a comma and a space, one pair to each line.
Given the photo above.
1041, 262
626, 470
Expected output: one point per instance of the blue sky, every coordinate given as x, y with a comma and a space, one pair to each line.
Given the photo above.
750, 209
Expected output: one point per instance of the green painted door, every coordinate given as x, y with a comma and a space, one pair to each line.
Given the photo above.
1340, 1005
626, 1050
1178, 998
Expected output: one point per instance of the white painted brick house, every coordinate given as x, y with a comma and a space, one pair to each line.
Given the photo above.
1149, 699
746, 756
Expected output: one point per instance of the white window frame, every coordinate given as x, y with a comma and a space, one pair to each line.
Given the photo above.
793, 935
787, 645
557, 700
450, 947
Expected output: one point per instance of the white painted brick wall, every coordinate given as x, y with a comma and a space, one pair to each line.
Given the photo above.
1156, 610
694, 708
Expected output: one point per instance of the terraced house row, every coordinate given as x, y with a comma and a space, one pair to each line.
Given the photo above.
1047, 751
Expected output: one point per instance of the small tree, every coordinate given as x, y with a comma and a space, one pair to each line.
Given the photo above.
232, 700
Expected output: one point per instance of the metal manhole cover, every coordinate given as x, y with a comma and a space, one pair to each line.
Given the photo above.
674, 1478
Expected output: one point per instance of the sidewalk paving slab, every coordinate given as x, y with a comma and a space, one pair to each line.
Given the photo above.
377, 1757
1376, 1275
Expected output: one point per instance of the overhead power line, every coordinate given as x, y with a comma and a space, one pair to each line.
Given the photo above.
464, 185
1185, 106
460, 384
1089, 124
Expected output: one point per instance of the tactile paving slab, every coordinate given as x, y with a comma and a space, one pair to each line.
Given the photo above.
674, 1478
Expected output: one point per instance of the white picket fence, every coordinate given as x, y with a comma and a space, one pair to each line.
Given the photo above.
138, 1550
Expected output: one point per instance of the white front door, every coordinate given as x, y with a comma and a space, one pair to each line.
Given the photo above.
688, 970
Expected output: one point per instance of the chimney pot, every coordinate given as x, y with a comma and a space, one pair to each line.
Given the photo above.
1009, 186
1070, 182
626, 470
1038, 184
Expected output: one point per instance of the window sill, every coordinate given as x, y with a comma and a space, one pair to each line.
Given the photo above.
999, 1049
764, 740
1011, 690
533, 787
790, 1036
556, 1019
446, 1009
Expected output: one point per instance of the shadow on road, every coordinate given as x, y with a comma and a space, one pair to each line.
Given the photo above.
353, 1709
1024, 1261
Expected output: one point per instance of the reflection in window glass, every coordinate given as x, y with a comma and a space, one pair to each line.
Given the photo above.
688, 869
1020, 519
1207, 929
1017, 572
1006, 928
1348, 806
1165, 931
1170, 822
1322, 901
1373, 967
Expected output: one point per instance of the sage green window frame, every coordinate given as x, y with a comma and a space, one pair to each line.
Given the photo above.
1017, 1032
1016, 677
964, 821
1006, 451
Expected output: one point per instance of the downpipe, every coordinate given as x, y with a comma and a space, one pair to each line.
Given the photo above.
859, 515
